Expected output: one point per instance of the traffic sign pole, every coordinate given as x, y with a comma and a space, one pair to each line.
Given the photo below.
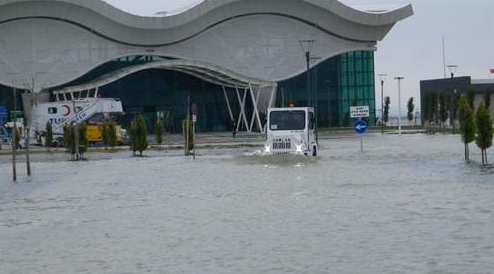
360, 128
194, 120
361, 143
194, 139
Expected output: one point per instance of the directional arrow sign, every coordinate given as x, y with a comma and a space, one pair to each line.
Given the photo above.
360, 126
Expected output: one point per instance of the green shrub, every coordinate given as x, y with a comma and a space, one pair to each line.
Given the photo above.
68, 140
109, 134
190, 145
467, 124
483, 121
138, 135
48, 135
83, 141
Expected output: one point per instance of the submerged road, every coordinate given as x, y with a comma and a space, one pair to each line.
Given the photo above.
408, 204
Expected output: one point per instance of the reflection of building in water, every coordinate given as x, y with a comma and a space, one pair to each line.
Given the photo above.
233, 58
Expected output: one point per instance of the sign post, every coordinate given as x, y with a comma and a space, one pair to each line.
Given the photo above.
360, 125
194, 120
3, 120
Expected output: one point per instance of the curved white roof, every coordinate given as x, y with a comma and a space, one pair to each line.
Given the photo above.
330, 16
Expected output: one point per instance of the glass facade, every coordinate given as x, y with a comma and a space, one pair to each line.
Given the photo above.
158, 93
336, 84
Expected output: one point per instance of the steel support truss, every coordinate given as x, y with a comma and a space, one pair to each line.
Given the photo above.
241, 95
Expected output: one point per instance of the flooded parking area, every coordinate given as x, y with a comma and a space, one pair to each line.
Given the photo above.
407, 204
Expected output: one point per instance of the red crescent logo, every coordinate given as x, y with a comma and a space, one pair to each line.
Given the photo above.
67, 108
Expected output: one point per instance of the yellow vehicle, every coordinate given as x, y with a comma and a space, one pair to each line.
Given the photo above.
94, 133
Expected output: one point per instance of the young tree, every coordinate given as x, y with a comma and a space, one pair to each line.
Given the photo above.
467, 124
487, 98
454, 110
112, 134
434, 107
48, 135
410, 107
109, 134
471, 98
483, 121
159, 128
443, 107
138, 135
346, 119
430, 108
83, 141
68, 140
104, 133
427, 103
387, 102
16, 138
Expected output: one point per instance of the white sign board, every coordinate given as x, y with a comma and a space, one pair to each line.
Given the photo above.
194, 118
359, 112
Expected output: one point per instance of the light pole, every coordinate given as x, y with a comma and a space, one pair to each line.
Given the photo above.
452, 70
306, 46
452, 108
383, 77
399, 78
328, 83
315, 59
13, 138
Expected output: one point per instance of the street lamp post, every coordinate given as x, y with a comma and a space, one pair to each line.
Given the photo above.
328, 91
306, 46
452, 70
315, 60
399, 78
383, 77
452, 108
13, 138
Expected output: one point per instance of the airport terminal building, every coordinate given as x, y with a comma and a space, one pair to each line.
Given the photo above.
233, 58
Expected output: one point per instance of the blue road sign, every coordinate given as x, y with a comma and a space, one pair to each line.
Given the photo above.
360, 126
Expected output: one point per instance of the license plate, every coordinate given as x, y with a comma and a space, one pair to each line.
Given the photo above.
282, 145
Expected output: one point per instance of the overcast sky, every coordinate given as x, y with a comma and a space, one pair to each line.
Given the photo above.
413, 48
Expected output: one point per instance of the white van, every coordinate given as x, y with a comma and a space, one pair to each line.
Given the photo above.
291, 131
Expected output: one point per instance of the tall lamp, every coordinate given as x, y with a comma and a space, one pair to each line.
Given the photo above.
452, 109
306, 46
399, 78
382, 76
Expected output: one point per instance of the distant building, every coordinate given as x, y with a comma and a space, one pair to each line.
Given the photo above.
458, 85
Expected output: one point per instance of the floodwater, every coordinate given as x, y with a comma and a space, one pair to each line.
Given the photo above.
408, 204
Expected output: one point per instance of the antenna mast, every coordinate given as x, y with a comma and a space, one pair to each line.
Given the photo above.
444, 59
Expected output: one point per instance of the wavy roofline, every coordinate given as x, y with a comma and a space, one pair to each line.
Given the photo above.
194, 11
107, 20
